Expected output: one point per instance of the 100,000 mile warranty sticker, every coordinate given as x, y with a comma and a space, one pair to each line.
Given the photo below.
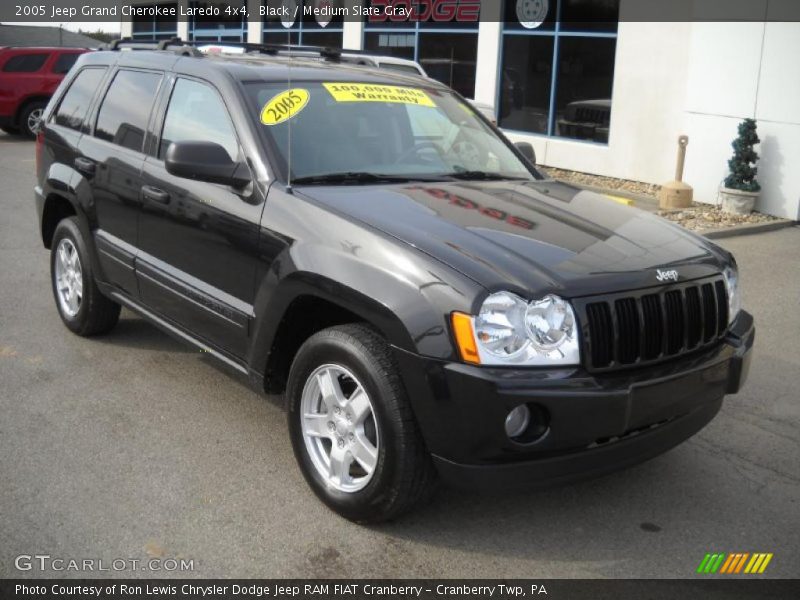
369, 92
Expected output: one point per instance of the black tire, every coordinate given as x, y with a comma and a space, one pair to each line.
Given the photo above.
10, 130
404, 476
96, 314
25, 117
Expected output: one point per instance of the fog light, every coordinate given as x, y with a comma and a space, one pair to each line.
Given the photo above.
517, 421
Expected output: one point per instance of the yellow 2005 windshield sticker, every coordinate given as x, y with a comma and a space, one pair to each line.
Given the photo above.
369, 92
284, 106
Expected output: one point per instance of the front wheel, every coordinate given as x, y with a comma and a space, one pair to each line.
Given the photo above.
352, 428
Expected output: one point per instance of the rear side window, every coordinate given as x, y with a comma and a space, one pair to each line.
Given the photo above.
126, 108
196, 113
64, 63
25, 63
72, 110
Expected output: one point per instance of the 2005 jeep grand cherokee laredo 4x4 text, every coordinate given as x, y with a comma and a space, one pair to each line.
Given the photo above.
366, 243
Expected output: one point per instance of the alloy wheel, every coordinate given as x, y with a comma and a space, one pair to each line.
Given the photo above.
35, 120
339, 428
68, 278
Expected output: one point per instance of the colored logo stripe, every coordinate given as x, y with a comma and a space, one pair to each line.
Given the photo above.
734, 563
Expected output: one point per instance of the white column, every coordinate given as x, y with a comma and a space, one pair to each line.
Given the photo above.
255, 31
489, 48
353, 36
183, 26
125, 29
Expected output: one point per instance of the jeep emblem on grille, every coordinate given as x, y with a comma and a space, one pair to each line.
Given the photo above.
666, 275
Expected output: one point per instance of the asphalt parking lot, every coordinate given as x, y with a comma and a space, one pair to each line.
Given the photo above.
134, 446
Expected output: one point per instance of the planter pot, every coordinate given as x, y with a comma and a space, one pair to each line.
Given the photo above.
737, 202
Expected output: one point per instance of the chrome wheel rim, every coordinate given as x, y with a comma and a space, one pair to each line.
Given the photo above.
339, 428
68, 278
35, 120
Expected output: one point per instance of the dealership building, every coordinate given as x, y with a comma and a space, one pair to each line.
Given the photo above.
595, 85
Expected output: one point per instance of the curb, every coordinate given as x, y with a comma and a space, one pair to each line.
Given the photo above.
716, 234
650, 204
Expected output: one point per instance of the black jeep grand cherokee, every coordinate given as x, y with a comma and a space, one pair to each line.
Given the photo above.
367, 243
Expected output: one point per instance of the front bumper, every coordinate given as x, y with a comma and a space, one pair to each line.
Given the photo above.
596, 423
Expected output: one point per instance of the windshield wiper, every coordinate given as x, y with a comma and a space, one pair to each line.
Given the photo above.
358, 177
483, 176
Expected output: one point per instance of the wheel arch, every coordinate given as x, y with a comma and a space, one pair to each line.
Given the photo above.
304, 304
25, 103
56, 208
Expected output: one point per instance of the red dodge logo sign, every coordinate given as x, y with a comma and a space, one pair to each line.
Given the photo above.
426, 10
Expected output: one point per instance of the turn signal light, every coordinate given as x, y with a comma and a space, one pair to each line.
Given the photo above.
465, 337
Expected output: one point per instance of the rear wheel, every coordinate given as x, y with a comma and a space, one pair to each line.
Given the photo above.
352, 429
31, 118
80, 304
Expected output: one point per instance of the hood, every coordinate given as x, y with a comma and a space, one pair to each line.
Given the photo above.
533, 238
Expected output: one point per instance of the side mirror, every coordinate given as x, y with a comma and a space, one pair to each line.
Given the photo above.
527, 151
205, 161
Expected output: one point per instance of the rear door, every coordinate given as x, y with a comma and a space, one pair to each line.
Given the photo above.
198, 240
110, 162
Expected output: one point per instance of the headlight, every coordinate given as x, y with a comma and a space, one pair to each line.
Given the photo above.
511, 331
734, 295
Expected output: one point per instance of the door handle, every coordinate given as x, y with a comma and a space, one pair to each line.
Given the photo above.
155, 195
85, 166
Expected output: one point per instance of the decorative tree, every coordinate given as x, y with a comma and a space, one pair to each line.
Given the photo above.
743, 172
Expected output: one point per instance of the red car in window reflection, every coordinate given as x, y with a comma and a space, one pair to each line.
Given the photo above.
28, 77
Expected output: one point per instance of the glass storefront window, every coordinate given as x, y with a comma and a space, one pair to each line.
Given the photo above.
224, 27
448, 50
583, 93
589, 15
401, 45
525, 83
305, 29
558, 67
156, 28
450, 58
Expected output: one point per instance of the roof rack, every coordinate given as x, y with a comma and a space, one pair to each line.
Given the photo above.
189, 48
173, 45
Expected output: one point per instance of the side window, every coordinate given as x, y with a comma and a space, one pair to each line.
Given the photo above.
196, 113
64, 63
126, 108
25, 63
72, 110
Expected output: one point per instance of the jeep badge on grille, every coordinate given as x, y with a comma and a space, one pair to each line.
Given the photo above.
666, 275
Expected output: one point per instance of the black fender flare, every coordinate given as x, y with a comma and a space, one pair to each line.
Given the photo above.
411, 312
68, 185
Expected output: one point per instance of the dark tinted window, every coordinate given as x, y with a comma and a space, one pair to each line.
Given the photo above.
25, 63
64, 63
525, 82
451, 58
400, 45
126, 109
75, 103
583, 89
196, 113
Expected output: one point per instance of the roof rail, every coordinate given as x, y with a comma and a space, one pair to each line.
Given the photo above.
172, 45
189, 48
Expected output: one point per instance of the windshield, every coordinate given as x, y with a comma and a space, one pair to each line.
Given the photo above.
364, 130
